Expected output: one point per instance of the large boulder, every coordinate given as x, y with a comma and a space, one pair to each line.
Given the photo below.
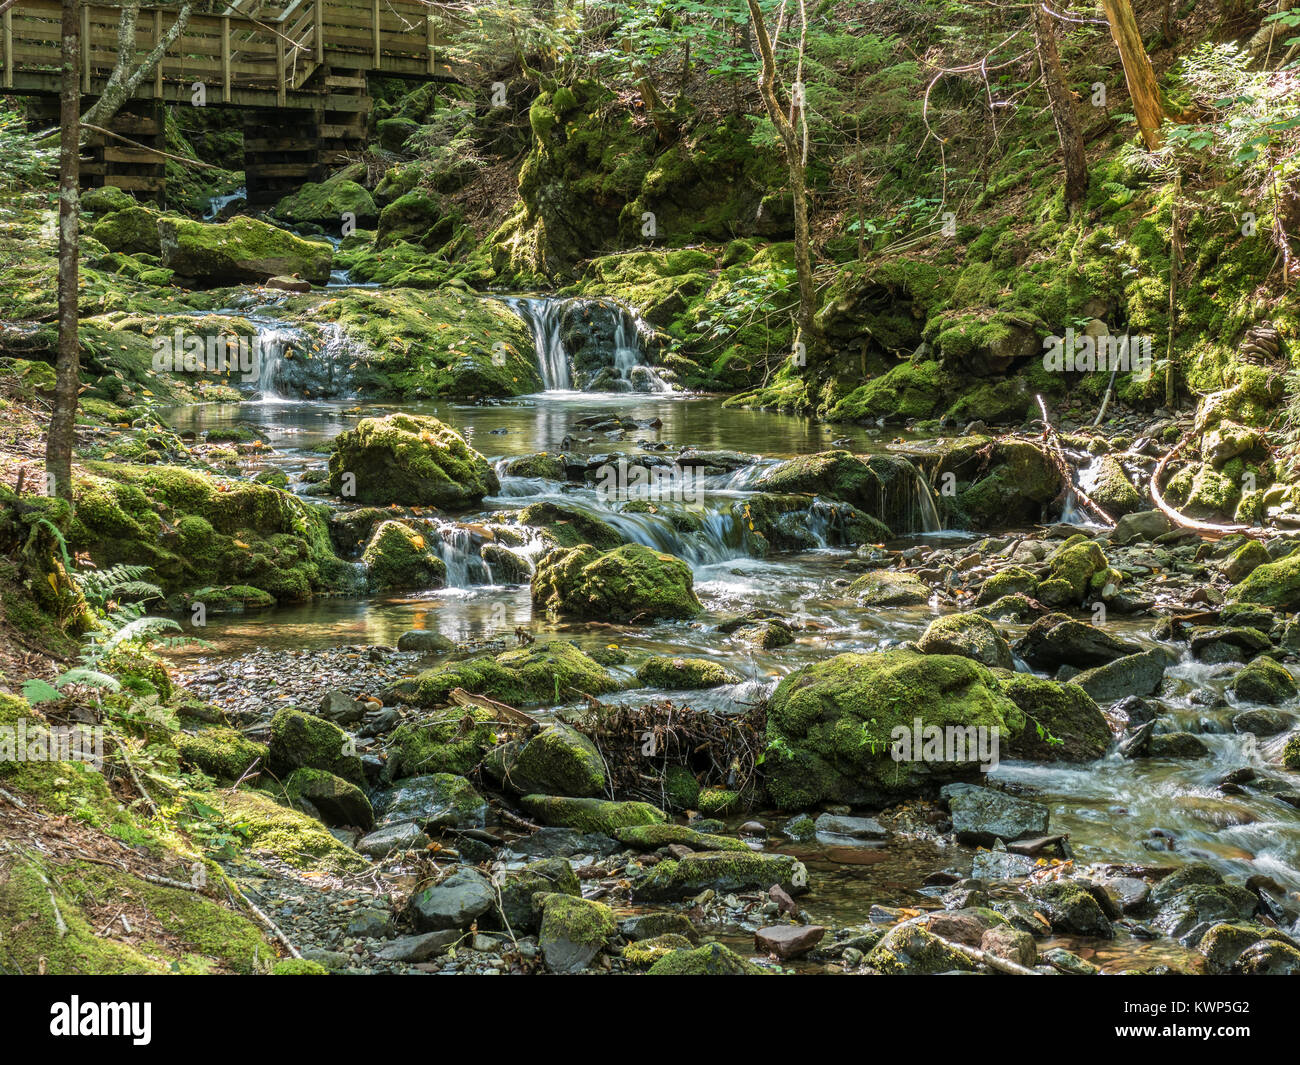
240, 250
133, 230
399, 557
1059, 640
1063, 723
969, 635
1139, 674
632, 582
833, 726
883, 486
409, 459
326, 203
558, 760
539, 673
299, 741
1275, 584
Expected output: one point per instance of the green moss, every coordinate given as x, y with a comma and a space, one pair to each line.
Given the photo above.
242, 249
301, 740
569, 526
684, 674
652, 837
223, 753
539, 673
292, 837
629, 582
1275, 584
591, 815
409, 459
399, 557
713, 959
299, 967
452, 741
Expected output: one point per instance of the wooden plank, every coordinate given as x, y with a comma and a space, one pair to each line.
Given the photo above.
85, 55
8, 36
375, 30
280, 73
225, 59
158, 36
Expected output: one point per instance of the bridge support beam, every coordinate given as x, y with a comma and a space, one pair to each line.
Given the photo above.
112, 160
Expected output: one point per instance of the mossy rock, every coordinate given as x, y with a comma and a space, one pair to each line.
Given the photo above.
573, 931
1063, 724
591, 815
1076, 564
240, 250
515, 909
684, 674
539, 673
881, 486
569, 526
558, 760
720, 871
453, 740
300, 740
1263, 680
290, 836
969, 635
712, 959
338, 801
831, 726
413, 460
132, 230
1274, 584
298, 967
652, 837
546, 466
632, 582
225, 754
889, 588
397, 556
327, 202
719, 802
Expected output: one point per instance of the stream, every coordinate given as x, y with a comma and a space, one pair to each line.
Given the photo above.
1114, 810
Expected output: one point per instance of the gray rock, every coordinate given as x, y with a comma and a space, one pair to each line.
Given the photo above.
1071, 909
438, 800
1057, 640
454, 902
418, 948
1138, 674
982, 815
340, 708
371, 924
424, 641
404, 835
562, 843
992, 865
837, 828
1142, 525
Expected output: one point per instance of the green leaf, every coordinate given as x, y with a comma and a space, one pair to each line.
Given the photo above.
38, 691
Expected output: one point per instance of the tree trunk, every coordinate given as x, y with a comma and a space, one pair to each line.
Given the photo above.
794, 158
59, 440
1058, 97
1138, 72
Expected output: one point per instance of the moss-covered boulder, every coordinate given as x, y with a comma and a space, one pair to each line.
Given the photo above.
1000, 483
721, 871
558, 760
832, 726
516, 910
653, 837
1274, 584
712, 959
573, 931
133, 230
225, 754
591, 815
240, 250
909, 950
969, 635
1263, 680
884, 587
300, 740
570, 526
684, 674
327, 203
399, 557
409, 459
432, 801
453, 740
288, 835
338, 801
194, 531
1076, 562
629, 583
1063, 724
539, 673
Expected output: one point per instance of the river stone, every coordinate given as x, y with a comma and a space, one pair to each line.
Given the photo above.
1071, 964
437, 800
1190, 912
628, 583
910, 950
723, 872
1128, 892
1071, 909
660, 923
371, 924
573, 931
341, 708
1141, 525
969, 635
300, 741
338, 801
992, 865
1176, 745
1223, 943
240, 250
1275, 584
1263, 680
591, 815
712, 959
562, 843
1073, 728
980, 815
424, 641
838, 828
1268, 959
405, 835
1010, 944
652, 837
454, 902
1056, 639
788, 940
417, 948
888, 588
1139, 674
1264, 721
1216, 645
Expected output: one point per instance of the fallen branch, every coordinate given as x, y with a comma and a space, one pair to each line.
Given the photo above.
1181, 520
461, 697
995, 963
1057, 455
147, 148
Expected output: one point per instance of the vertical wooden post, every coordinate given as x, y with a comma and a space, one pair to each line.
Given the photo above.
432, 38
162, 59
9, 47
85, 48
280, 87
319, 15
225, 59
374, 13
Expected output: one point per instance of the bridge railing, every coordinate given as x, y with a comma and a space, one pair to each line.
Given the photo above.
276, 53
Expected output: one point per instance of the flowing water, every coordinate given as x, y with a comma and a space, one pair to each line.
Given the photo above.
1114, 810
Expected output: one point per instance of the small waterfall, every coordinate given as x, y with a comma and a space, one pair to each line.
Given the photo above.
275, 346
1086, 477
543, 316
927, 506
292, 364
217, 204
458, 548
609, 356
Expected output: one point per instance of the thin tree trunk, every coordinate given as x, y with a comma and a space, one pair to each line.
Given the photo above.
59, 440
786, 127
1138, 72
1175, 258
121, 85
1058, 97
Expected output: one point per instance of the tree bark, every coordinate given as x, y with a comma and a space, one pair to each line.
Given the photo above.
1058, 98
123, 81
1138, 72
794, 158
59, 440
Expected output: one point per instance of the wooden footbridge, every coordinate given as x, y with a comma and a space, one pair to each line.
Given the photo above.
298, 68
